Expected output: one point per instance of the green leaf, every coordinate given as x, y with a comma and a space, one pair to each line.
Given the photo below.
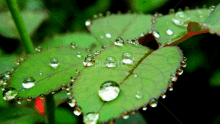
214, 81
127, 26
7, 62
83, 40
63, 116
213, 21
153, 74
12, 115
169, 31
133, 119
50, 78
31, 20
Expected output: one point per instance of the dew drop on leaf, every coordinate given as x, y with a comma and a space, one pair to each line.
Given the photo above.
7, 74
38, 49
29, 98
184, 59
173, 77
156, 34
77, 111
53, 91
89, 61
125, 115
97, 52
110, 62
54, 63
186, 8
135, 75
88, 22
9, 93
91, 118
127, 58
153, 103
72, 78
179, 71
109, 90
28, 82
183, 64
134, 41
78, 55
170, 86
73, 45
169, 32
138, 95
19, 100
181, 19
119, 42
71, 102
144, 108
108, 35
40, 73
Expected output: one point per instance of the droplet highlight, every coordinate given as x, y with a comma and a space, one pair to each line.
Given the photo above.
127, 58
28, 83
156, 34
134, 42
88, 23
77, 111
73, 45
119, 42
91, 118
89, 61
108, 35
169, 32
181, 19
71, 102
110, 62
54, 63
139, 95
153, 103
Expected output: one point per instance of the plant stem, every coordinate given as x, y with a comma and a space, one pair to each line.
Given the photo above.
25, 39
50, 105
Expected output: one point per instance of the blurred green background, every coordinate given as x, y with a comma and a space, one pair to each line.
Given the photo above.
195, 95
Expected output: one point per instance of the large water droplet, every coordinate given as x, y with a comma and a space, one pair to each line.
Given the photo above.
127, 58
108, 35
109, 90
71, 102
134, 41
156, 34
88, 22
9, 93
28, 82
138, 95
73, 45
89, 61
77, 111
91, 118
169, 32
119, 42
54, 63
153, 103
110, 62
181, 19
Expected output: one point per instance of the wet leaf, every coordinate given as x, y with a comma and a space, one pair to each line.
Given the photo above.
64, 116
127, 26
31, 20
148, 75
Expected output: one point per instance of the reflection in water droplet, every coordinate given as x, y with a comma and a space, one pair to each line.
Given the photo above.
77, 111
169, 32
108, 35
97, 52
73, 45
88, 22
153, 103
134, 41
28, 82
89, 61
138, 95
109, 90
144, 108
29, 99
179, 71
156, 34
119, 42
181, 19
54, 63
110, 62
71, 102
163, 96
78, 55
125, 115
91, 118
9, 93
127, 58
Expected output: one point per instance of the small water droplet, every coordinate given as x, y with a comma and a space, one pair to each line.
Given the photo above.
29, 98
171, 11
53, 91
184, 59
144, 108
73, 45
153, 21
211, 8
38, 49
91, 118
169, 32
77, 111
42, 96
63, 86
77, 71
181, 19
72, 78
170, 86
127, 58
68, 93
89, 61
88, 22
173, 77
40, 73
97, 52
95, 16
119, 42
7, 74
54, 63
110, 62
103, 47
183, 64
19, 100
135, 42
153, 103
9, 93
78, 55
18, 62
138, 95
108, 35
109, 90
125, 115
71, 102
156, 34
179, 71
28, 82
135, 75
142, 34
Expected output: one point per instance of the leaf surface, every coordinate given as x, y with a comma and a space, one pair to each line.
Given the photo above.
153, 74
